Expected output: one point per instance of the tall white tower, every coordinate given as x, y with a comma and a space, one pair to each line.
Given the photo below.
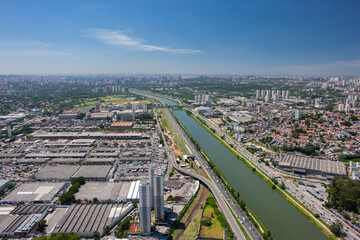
151, 181
159, 197
144, 209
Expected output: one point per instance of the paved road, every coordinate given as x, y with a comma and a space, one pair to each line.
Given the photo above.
311, 203
220, 200
216, 186
221, 190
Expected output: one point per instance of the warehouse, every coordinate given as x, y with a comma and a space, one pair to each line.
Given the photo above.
36, 192
101, 115
20, 225
133, 194
96, 173
65, 160
3, 184
85, 219
80, 150
308, 165
122, 124
107, 150
95, 135
11, 155
104, 155
99, 161
64, 172
32, 160
55, 155
104, 191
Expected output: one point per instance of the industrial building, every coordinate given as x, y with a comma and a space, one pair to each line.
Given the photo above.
90, 135
144, 208
34, 192
3, 184
104, 191
85, 219
96, 173
61, 172
122, 124
307, 165
133, 194
55, 155
159, 197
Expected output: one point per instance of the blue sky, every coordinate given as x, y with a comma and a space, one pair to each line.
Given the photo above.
315, 37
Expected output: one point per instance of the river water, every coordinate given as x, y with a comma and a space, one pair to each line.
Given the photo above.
278, 216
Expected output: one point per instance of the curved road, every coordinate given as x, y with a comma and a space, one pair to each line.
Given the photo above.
218, 196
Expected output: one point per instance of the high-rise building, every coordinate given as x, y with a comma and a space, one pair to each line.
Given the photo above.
151, 174
277, 98
197, 99
257, 94
341, 107
9, 131
273, 92
347, 107
262, 93
287, 94
297, 114
267, 98
159, 197
144, 208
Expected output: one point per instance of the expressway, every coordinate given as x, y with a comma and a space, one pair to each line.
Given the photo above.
312, 204
217, 188
221, 194
220, 200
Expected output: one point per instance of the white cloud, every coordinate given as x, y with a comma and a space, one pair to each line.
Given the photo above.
118, 38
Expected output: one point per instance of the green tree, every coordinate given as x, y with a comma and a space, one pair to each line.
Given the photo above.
40, 226
96, 235
206, 222
336, 227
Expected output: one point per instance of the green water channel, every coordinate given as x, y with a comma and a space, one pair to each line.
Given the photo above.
278, 215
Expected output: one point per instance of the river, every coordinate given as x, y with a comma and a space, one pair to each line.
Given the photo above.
278, 215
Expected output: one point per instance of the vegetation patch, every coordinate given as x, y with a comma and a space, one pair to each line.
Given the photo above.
213, 221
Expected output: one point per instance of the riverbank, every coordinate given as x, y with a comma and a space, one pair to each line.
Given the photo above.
287, 196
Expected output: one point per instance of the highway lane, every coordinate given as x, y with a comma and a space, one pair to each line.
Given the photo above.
248, 226
216, 186
310, 202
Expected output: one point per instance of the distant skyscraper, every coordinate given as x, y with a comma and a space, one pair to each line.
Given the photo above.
9, 131
257, 94
196, 100
267, 98
287, 94
277, 98
347, 107
297, 114
159, 197
262, 93
341, 107
151, 174
144, 208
